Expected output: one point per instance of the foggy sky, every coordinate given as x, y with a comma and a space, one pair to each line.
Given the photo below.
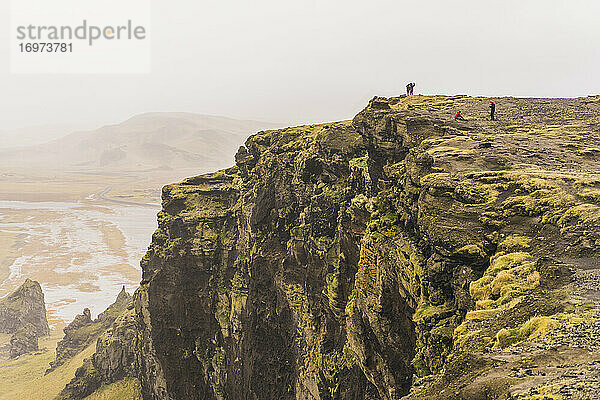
309, 61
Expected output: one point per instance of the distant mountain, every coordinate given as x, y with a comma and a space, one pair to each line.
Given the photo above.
33, 135
144, 142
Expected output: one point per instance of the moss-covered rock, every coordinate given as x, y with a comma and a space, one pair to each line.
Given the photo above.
117, 359
399, 254
23, 307
23, 341
83, 331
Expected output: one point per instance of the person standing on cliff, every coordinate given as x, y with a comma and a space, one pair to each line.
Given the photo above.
492, 110
410, 88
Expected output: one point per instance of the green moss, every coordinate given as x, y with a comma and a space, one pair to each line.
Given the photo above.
451, 151
323, 243
509, 276
579, 216
436, 179
303, 138
426, 312
492, 219
524, 205
471, 193
471, 251
360, 201
506, 261
129, 388
589, 151
434, 327
359, 162
331, 367
334, 295
515, 243
550, 199
350, 304
590, 195
388, 220
535, 327
505, 337
239, 285
218, 375
479, 315
420, 366
297, 300
585, 182
420, 102
222, 312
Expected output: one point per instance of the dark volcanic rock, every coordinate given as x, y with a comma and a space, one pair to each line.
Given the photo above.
24, 306
83, 330
23, 341
254, 272
399, 255
117, 357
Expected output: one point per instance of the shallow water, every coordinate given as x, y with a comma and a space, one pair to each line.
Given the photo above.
70, 240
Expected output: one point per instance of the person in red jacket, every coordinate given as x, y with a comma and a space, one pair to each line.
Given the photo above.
459, 116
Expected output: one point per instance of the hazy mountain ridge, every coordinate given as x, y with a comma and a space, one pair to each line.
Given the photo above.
35, 135
146, 141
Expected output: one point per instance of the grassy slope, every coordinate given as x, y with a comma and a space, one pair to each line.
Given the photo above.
126, 389
24, 378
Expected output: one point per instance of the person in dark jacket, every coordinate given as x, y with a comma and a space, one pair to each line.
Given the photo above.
459, 117
492, 110
410, 88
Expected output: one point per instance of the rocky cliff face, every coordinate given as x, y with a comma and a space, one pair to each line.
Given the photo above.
22, 307
117, 357
83, 331
23, 341
398, 254
241, 275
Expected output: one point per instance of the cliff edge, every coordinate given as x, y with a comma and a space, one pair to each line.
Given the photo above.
399, 255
